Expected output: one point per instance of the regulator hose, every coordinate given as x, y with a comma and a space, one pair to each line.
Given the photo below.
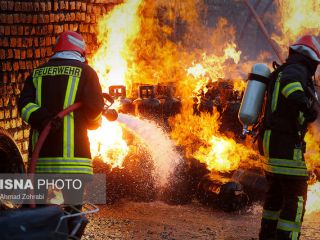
43, 135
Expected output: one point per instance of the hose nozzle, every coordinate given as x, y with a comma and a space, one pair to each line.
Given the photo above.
111, 114
245, 132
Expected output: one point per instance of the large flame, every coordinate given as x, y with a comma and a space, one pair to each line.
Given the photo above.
200, 134
213, 67
108, 144
312, 156
296, 18
140, 42
223, 154
116, 33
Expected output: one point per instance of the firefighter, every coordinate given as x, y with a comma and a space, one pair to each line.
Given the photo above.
64, 80
288, 112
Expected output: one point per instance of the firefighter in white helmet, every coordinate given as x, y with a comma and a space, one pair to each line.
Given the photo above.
289, 110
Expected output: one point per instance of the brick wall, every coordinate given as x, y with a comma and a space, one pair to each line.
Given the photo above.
28, 30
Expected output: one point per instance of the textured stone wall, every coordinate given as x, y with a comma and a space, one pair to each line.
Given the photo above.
28, 30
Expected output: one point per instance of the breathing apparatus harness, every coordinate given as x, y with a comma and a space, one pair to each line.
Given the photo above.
264, 121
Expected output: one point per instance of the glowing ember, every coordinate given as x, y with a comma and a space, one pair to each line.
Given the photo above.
107, 143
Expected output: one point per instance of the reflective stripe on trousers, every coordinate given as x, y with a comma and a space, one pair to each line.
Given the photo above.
294, 227
64, 165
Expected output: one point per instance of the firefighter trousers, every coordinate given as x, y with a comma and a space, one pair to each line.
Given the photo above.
283, 208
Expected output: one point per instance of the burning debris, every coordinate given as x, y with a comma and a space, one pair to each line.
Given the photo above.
176, 72
160, 62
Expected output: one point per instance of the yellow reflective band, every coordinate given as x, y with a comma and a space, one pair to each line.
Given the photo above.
286, 170
64, 161
270, 215
290, 88
288, 226
35, 136
301, 118
294, 235
28, 110
299, 209
58, 70
266, 143
68, 121
64, 169
38, 85
39, 98
286, 162
275, 94
298, 155
35, 82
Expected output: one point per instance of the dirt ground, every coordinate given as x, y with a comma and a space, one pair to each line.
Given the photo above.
157, 220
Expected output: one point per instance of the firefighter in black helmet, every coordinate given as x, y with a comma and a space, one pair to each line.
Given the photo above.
64, 80
288, 111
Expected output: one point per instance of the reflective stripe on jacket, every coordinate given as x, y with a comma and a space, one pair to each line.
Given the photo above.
285, 122
51, 88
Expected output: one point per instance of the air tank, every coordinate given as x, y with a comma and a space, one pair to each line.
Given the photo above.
253, 96
119, 92
147, 105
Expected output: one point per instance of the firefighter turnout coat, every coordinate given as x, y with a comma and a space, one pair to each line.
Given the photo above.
51, 88
286, 118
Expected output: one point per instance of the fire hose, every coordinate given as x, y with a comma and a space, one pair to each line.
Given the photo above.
44, 134
42, 138
110, 114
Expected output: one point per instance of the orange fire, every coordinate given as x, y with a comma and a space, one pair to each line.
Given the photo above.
312, 156
108, 144
199, 134
116, 33
140, 44
213, 67
296, 18
223, 154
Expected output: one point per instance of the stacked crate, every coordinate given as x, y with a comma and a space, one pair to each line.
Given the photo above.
28, 31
